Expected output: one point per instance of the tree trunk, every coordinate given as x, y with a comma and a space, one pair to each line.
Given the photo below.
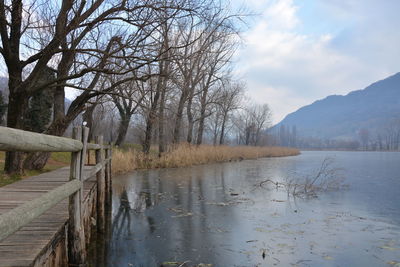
148, 135
178, 118
221, 138
202, 116
150, 120
215, 137
200, 131
59, 105
190, 120
36, 160
123, 128
247, 136
17, 104
161, 135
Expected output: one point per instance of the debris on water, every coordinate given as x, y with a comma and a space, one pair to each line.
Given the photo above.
394, 263
263, 253
220, 203
250, 241
183, 264
181, 213
261, 230
278, 200
278, 261
234, 194
177, 210
389, 248
170, 264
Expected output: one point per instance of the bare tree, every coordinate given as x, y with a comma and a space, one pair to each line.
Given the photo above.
230, 100
84, 41
127, 100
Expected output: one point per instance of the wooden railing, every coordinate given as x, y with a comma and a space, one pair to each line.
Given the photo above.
18, 140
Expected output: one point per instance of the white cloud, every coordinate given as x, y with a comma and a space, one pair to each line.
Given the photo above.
287, 67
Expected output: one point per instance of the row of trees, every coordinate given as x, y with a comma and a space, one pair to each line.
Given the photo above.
163, 64
384, 138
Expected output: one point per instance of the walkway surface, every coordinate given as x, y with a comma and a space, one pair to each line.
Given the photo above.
24, 246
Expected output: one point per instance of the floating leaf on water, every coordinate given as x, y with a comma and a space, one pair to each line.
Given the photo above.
219, 203
177, 210
183, 215
329, 258
394, 263
170, 264
389, 248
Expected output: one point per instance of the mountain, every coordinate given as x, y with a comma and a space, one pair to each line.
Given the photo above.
343, 117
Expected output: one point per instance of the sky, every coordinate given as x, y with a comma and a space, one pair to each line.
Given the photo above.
295, 52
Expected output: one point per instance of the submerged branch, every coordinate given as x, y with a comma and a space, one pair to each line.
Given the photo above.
327, 178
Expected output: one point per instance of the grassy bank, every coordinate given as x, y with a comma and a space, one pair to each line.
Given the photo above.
129, 159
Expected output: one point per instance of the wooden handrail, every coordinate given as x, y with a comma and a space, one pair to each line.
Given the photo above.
93, 146
14, 219
19, 140
95, 169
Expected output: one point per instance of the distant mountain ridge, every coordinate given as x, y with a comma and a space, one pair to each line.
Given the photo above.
342, 117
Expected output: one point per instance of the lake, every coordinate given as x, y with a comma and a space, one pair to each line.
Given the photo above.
219, 214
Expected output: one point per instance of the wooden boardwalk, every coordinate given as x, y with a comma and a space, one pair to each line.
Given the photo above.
34, 240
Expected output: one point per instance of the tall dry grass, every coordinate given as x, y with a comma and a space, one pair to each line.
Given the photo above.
186, 155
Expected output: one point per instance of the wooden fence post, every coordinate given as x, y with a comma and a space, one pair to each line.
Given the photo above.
76, 234
100, 186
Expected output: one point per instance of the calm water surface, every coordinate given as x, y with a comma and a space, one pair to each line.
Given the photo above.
217, 214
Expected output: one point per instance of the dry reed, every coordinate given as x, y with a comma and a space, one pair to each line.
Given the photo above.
186, 155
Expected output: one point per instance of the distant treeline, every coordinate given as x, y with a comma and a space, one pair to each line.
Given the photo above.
385, 139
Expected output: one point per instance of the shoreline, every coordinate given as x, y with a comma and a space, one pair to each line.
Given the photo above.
184, 155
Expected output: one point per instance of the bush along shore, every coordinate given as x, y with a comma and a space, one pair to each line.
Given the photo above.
183, 155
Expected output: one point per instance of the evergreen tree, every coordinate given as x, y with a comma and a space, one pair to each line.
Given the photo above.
39, 112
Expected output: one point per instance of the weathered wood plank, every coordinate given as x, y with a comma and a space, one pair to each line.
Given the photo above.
95, 169
18, 140
93, 147
76, 235
20, 216
100, 186
48, 224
